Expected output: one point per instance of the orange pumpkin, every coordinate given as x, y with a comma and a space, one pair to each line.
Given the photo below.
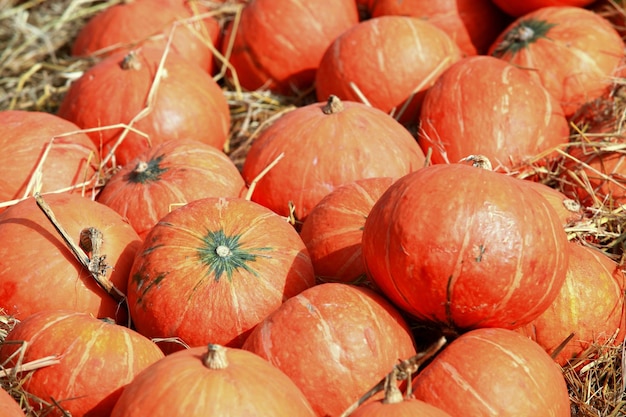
494, 372
188, 103
463, 247
335, 341
483, 105
472, 24
588, 48
326, 145
29, 138
211, 270
150, 22
39, 272
388, 61
217, 381
332, 231
96, 360
590, 305
167, 176
278, 44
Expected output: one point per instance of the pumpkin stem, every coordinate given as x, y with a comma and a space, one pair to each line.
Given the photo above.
131, 61
215, 357
526, 32
478, 161
223, 251
333, 105
393, 395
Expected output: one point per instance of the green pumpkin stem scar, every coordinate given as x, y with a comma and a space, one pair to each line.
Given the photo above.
223, 254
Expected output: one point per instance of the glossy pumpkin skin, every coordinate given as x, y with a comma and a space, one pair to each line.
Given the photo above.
24, 138
464, 247
568, 210
590, 304
184, 384
483, 105
168, 176
326, 146
8, 406
38, 271
494, 372
332, 231
335, 341
212, 270
96, 360
278, 44
472, 24
392, 61
150, 22
189, 103
522, 7
589, 50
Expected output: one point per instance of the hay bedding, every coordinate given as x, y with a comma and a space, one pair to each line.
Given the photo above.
36, 70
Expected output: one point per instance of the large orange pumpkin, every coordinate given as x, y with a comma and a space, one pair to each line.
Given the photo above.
590, 305
326, 145
29, 139
39, 272
472, 24
388, 61
167, 176
494, 372
464, 247
213, 269
332, 231
588, 48
335, 341
150, 22
187, 104
96, 360
278, 44
217, 381
482, 105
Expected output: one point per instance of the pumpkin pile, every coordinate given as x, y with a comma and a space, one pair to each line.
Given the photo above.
312, 208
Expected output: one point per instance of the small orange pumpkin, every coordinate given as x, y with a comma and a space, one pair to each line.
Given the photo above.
96, 360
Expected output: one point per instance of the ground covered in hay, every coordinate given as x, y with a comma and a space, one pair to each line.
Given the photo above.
36, 69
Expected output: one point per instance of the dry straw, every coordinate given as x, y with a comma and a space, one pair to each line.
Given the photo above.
36, 71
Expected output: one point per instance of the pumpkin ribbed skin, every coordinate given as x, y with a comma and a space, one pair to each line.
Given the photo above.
391, 60
150, 22
332, 231
483, 105
234, 382
464, 247
588, 47
590, 305
189, 103
278, 44
335, 341
326, 145
170, 175
568, 210
213, 269
472, 24
39, 272
96, 360
494, 372
24, 138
